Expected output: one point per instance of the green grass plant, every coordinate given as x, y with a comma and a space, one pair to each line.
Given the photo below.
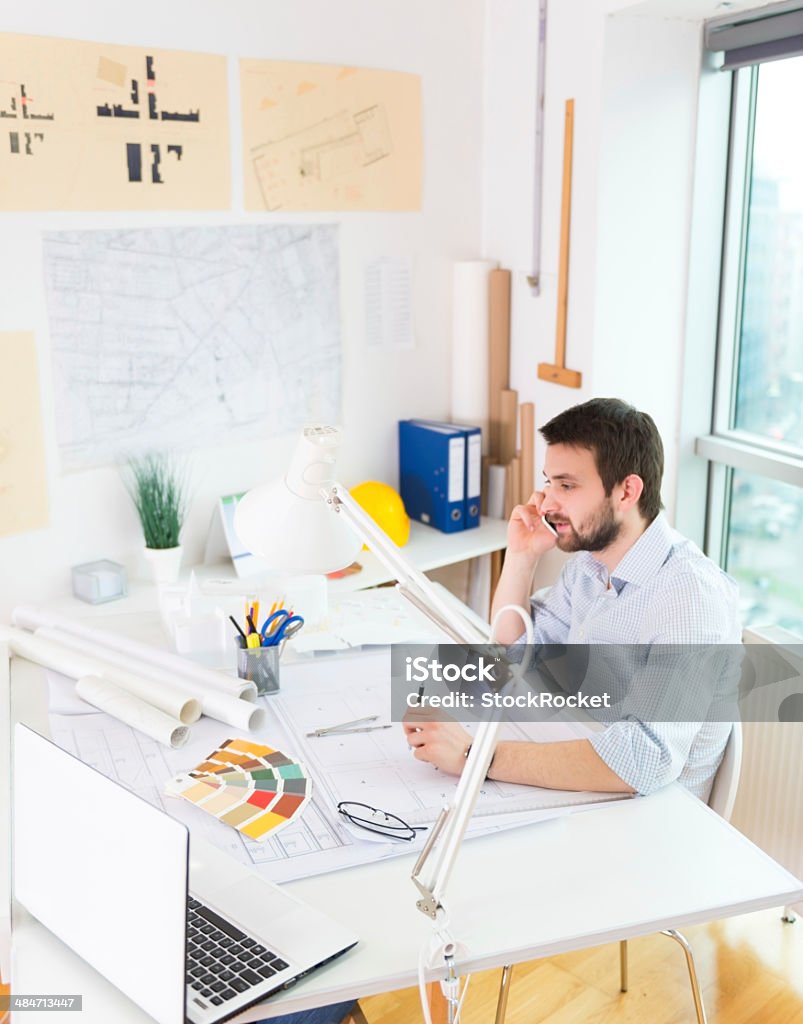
158, 491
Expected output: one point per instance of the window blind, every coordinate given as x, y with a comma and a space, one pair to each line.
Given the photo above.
750, 37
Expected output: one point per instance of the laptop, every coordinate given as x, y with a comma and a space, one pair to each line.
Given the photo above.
184, 930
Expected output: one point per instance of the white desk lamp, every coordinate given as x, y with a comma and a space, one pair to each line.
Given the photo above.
290, 524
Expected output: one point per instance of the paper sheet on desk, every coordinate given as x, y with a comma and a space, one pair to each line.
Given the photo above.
377, 767
368, 618
317, 843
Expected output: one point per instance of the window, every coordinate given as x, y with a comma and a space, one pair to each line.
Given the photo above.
755, 500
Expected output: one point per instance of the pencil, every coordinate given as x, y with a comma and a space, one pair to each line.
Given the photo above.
236, 625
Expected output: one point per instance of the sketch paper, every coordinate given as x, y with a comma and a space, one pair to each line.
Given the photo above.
186, 337
94, 126
327, 137
23, 475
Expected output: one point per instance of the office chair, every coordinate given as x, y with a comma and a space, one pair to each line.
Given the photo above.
721, 800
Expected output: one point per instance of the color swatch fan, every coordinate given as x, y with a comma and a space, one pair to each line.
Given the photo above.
252, 787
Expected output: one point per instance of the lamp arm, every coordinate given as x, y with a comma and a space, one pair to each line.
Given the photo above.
434, 865
413, 584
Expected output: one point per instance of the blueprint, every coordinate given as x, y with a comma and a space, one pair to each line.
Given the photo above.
184, 337
375, 768
327, 137
307, 846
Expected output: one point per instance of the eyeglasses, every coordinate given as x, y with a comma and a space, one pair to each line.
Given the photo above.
380, 822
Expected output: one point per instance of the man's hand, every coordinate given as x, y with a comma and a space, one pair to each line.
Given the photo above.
442, 744
526, 533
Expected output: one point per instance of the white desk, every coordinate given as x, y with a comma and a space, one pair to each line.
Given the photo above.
624, 870
621, 870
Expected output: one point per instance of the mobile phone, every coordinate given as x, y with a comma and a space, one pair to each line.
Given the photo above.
549, 526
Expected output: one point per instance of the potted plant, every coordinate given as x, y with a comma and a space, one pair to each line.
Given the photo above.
158, 491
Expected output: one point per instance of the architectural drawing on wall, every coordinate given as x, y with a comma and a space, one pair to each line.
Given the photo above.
325, 137
23, 476
93, 126
185, 337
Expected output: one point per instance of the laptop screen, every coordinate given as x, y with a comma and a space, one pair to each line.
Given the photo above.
103, 870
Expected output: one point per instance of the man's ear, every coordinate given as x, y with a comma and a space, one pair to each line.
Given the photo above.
630, 491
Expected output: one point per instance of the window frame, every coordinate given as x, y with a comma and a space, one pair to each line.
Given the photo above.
727, 448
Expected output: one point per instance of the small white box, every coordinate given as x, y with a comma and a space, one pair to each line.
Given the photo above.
99, 581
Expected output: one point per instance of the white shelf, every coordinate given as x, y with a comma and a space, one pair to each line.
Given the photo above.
428, 549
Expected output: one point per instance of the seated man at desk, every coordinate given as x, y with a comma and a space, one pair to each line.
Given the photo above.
633, 580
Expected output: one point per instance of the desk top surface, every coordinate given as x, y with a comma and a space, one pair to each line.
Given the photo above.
619, 870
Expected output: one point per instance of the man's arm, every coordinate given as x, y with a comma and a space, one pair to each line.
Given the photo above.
569, 764
527, 540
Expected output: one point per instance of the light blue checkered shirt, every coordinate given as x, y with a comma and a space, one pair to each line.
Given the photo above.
664, 591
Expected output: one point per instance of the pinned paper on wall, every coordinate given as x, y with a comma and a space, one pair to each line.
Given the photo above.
327, 137
94, 126
23, 476
182, 337
388, 304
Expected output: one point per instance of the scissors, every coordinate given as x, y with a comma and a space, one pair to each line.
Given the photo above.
281, 625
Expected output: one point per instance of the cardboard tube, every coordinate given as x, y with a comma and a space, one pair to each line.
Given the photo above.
507, 435
527, 432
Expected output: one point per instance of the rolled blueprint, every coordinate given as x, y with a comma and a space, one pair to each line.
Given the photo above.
239, 714
27, 617
143, 683
76, 664
34, 618
186, 684
127, 708
470, 344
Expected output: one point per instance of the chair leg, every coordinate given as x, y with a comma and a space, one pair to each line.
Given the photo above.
695, 985
504, 992
623, 965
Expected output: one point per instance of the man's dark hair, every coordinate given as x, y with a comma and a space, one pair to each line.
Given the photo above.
622, 440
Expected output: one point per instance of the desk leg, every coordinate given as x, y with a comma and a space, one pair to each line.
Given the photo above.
438, 1006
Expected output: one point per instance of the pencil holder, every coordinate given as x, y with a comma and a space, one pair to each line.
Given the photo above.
261, 666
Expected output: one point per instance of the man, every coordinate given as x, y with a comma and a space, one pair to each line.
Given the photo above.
633, 581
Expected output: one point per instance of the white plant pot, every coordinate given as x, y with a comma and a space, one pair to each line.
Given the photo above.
163, 564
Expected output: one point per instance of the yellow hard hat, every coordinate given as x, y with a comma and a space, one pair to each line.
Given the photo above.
385, 507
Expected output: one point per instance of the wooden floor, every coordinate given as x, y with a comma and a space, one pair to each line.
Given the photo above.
750, 968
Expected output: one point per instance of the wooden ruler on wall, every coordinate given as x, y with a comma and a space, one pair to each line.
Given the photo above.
556, 372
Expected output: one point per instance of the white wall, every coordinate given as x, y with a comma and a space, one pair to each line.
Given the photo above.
90, 513
633, 71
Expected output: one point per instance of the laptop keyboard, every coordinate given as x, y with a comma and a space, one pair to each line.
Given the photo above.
222, 961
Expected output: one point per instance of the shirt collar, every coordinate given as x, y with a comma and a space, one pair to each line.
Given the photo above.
640, 563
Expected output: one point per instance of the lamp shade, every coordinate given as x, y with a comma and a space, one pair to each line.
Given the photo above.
288, 523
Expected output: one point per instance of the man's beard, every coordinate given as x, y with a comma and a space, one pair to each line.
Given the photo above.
601, 532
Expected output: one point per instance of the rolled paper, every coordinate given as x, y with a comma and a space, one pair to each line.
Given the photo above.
246, 690
239, 714
470, 344
27, 617
155, 688
126, 708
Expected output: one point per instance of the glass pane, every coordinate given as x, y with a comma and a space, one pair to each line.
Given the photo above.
769, 395
763, 550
